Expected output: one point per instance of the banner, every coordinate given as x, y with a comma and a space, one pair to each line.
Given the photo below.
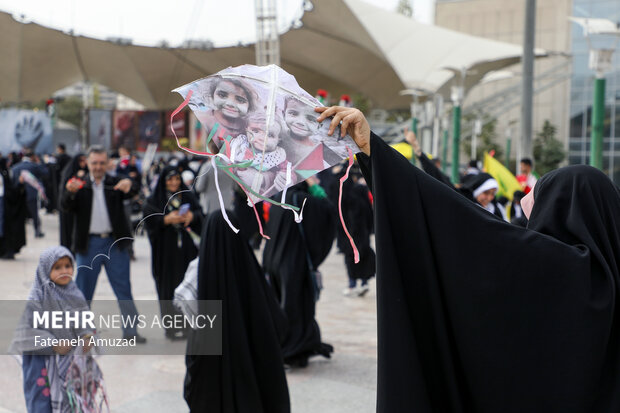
125, 124
99, 127
21, 128
149, 129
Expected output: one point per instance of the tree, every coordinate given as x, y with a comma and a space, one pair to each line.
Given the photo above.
405, 8
70, 110
548, 151
361, 102
486, 141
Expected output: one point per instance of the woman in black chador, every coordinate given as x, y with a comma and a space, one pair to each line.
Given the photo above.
171, 225
357, 213
75, 168
492, 317
249, 375
12, 214
290, 259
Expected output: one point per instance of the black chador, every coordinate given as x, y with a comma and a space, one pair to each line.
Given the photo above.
477, 315
249, 375
357, 213
288, 257
13, 219
172, 246
75, 168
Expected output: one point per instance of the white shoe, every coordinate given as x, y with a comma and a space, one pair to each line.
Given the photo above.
362, 290
349, 292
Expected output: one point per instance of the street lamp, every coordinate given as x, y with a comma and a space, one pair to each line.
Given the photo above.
599, 32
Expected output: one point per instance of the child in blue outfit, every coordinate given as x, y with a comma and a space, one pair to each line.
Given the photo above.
45, 368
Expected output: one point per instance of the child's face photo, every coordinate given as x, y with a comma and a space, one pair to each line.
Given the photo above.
231, 100
62, 271
262, 141
300, 118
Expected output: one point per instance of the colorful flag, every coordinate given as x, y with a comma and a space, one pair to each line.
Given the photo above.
507, 182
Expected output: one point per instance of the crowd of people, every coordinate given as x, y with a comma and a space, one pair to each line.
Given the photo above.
475, 313
105, 199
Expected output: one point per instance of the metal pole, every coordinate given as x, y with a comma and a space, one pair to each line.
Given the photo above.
414, 116
474, 142
527, 101
414, 126
436, 127
508, 146
598, 117
456, 140
444, 149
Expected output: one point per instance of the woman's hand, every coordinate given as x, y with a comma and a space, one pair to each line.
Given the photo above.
174, 218
351, 121
188, 216
413, 141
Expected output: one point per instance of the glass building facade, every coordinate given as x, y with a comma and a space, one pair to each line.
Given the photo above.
582, 91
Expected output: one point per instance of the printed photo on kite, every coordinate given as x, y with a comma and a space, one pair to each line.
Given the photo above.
263, 126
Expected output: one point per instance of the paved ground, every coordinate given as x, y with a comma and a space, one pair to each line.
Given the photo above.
346, 383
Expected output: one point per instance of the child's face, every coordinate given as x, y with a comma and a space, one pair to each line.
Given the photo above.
231, 100
300, 118
261, 141
62, 271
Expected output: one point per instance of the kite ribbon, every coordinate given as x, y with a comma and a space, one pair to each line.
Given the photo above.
221, 199
356, 253
260, 224
298, 216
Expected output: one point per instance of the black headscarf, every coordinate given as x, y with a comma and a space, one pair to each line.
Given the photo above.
580, 205
249, 376
161, 195
70, 170
477, 315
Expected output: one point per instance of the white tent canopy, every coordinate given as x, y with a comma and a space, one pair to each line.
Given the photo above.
344, 46
597, 26
418, 52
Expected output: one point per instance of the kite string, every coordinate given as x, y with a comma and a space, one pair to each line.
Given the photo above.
356, 253
221, 199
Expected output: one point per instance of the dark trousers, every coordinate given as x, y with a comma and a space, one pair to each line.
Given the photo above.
33, 210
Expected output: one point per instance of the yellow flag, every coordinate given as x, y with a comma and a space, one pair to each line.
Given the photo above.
404, 149
507, 182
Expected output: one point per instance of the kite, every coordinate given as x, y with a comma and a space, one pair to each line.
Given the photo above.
262, 132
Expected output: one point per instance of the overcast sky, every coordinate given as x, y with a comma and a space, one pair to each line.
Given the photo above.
149, 22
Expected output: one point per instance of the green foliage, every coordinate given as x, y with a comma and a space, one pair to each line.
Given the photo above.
398, 115
70, 110
548, 151
96, 96
486, 142
405, 8
361, 102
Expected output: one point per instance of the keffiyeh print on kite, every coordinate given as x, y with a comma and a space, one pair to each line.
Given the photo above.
265, 130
